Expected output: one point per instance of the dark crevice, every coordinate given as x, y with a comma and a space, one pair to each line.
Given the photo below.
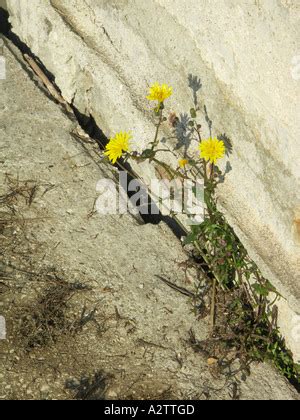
6, 30
5, 26
89, 125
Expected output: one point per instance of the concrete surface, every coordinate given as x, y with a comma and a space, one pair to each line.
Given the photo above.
105, 54
139, 336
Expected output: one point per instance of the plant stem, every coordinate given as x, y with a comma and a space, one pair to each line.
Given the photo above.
213, 307
155, 142
206, 261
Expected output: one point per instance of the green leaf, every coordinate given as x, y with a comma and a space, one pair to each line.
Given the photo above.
193, 113
148, 154
190, 239
260, 290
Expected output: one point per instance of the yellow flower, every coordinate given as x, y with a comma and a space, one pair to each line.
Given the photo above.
159, 92
117, 146
212, 150
183, 163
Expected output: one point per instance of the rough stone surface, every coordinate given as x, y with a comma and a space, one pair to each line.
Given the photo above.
139, 335
104, 54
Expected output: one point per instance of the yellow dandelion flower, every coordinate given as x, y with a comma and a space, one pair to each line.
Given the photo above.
183, 163
212, 150
117, 146
159, 92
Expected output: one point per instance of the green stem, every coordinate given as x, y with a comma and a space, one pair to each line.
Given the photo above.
196, 243
155, 142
